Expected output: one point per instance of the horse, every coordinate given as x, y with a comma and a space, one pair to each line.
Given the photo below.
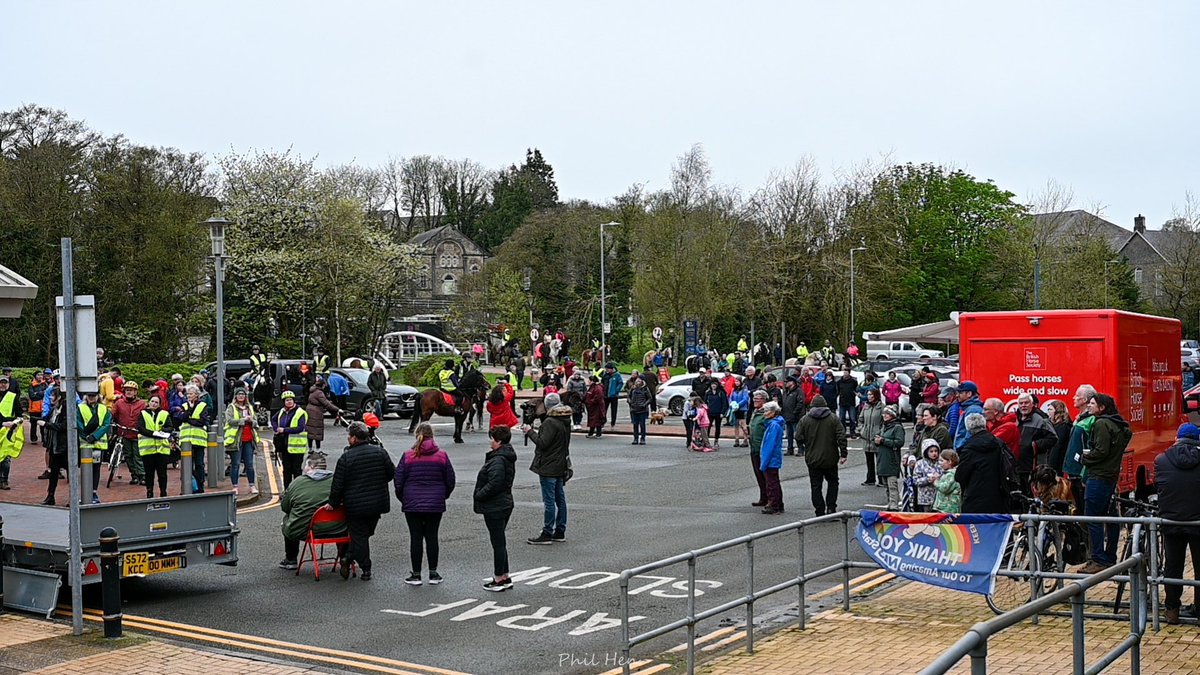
473, 387
761, 355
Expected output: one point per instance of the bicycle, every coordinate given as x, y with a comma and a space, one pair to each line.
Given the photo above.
1131, 508
1020, 559
117, 457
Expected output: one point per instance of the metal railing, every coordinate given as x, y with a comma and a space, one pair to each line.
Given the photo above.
975, 642
693, 617
1149, 575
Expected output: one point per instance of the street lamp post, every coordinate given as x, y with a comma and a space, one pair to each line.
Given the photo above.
852, 326
1106, 264
216, 234
527, 285
603, 305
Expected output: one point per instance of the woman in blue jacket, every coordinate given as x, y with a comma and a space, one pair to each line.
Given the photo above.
772, 457
739, 403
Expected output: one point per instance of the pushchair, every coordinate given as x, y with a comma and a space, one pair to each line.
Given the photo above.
908, 484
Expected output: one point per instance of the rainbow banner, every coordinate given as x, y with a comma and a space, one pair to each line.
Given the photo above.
961, 552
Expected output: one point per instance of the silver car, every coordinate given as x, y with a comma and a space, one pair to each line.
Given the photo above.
674, 392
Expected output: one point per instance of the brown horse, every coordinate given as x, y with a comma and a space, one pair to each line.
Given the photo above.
473, 386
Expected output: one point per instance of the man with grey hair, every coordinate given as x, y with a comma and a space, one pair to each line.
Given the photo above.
1037, 438
1069, 460
301, 499
771, 457
360, 483
981, 470
757, 427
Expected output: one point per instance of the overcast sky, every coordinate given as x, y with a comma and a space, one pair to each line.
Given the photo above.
1099, 96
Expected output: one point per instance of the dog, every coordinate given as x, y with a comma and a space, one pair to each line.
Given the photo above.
658, 417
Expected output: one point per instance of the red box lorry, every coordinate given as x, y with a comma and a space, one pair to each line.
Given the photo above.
1134, 358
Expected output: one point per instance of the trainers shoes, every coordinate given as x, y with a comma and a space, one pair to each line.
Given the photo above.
542, 539
434, 577
253, 489
497, 586
414, 579
559, 538
286, 564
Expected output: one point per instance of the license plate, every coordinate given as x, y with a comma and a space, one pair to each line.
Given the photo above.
142, 564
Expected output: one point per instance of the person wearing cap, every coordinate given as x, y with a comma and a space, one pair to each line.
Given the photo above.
192, 420
1177, 477
791, 404
300, 500
552, 464
13, 385
360, 484
241, 438
758, 427
613, 384
153, 447
968, 404
13, 427
888, 442
321, 362
951, 410
824, 439
92, 421
126, 413
290, 424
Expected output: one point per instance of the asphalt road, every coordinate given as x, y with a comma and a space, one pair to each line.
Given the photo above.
628, 505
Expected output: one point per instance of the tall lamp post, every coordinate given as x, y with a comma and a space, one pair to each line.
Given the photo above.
853, 335
1106, 264
527, 285
216, 235
603, 306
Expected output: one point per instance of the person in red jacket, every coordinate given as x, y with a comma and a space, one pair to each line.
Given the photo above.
1002, 425
930, 392
127, 410
809, 386
500, 408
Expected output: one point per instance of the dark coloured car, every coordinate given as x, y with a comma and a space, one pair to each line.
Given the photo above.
401, 399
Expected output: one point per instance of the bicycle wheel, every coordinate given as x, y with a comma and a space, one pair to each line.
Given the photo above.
1052, 560
114, 462
1010, 592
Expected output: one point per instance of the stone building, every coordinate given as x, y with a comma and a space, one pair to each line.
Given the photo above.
450, 256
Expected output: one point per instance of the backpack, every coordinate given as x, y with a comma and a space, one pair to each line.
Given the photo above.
1011, 481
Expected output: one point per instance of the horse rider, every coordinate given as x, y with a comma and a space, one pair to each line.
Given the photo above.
321, 362
258, 360
742, 346
802, 351
448, 382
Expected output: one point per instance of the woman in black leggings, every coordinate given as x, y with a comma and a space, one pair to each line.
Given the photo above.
424, 480
494, 501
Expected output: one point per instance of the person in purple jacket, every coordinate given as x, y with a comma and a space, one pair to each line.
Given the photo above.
424, 480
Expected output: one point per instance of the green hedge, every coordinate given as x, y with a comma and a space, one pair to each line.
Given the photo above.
416, 373
137, 372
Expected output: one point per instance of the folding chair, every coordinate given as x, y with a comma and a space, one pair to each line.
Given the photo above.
311, 544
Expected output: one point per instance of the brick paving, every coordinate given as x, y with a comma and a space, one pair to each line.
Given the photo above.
903, 630
47, 648
27, 488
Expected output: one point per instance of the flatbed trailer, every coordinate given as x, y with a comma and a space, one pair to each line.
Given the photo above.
156, 536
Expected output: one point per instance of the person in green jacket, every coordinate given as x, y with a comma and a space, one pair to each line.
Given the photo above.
1110, 436
888, 443
758, 425
949, 492
307, 493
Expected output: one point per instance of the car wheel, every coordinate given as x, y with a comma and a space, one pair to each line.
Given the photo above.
675, 407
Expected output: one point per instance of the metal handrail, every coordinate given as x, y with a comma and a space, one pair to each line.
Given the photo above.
975, 642
692, 618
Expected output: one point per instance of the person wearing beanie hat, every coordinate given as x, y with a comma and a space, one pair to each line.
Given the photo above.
824, 440
552, 464
307, 493
1177, 477
888, 442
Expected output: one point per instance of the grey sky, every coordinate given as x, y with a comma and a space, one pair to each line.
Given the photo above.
1099, 96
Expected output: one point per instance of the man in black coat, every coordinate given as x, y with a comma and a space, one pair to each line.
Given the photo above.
360, 483
980, 471
1038, 438
1177, 477
847, 401
792, 405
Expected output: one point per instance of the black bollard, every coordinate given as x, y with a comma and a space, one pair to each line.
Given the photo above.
110, 581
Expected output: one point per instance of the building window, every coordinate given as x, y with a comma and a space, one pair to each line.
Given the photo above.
423, 281
1137, 275
1158, 284
474, 269
449, 285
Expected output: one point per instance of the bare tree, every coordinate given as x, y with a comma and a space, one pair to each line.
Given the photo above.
691, 176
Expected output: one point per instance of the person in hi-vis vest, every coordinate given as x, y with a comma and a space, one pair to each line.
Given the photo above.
154, 445
291, 437
92, 420
192, 421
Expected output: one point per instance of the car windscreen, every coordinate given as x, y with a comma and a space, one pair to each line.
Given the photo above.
357, 376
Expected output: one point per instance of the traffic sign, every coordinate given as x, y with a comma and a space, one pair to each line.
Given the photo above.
607, 327
658, 332
533, 335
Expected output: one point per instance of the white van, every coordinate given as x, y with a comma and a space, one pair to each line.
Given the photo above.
898, 350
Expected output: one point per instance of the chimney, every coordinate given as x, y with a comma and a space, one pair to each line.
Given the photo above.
1139, 224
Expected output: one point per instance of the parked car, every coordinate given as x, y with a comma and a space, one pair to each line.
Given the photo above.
1190, 344
859, 371
401, 398
234, 368
899, 350
1191, 400
1190, 356
946, 378
673, 392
